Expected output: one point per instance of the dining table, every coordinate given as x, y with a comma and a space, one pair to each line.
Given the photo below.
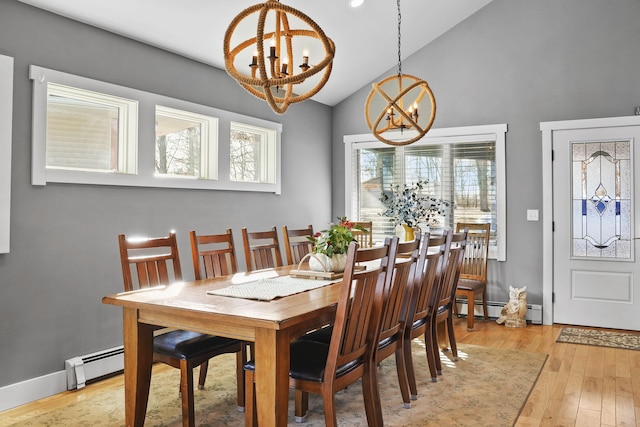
195, 306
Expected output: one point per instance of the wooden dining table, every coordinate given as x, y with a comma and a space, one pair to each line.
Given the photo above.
186, 305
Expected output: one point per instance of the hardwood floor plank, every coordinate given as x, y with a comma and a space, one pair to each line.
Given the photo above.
588, 418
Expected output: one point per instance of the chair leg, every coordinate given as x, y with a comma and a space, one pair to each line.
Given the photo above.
371, 396
402, 375
411, 375
186, 389
452, 338
204, 367
241, 358
470, 312
250, 412
435, 348
484, 305
301, 405
329, 403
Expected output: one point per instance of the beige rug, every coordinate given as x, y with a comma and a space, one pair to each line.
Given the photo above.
487, 386
629, 341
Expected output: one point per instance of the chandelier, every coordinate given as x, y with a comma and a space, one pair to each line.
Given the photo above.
396, 104
268, 72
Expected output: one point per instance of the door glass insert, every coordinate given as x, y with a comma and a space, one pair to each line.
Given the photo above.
601, 188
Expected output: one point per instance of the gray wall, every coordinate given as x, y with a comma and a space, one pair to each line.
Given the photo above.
64, 255
520, 62
515, 61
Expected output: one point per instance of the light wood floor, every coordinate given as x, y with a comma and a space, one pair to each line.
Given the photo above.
579, 385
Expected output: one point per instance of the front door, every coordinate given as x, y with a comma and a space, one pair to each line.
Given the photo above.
596, 272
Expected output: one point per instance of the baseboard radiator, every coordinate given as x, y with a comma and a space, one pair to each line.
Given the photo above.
534, 311
83, 369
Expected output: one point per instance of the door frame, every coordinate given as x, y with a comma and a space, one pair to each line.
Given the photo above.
547, 129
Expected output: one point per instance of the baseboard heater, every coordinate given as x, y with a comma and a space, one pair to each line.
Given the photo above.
83, 369
534, 311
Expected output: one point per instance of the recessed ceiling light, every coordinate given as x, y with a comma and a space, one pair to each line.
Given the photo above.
356, 3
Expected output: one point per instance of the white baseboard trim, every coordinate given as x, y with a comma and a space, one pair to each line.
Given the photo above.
32, 389
534, 311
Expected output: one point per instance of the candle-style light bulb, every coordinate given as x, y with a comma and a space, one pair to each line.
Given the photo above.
272, 48
305, 60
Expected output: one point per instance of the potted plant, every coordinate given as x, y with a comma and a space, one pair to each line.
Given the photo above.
330, 246
407, 206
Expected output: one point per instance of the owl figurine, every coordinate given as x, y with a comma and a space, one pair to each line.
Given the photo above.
513, 314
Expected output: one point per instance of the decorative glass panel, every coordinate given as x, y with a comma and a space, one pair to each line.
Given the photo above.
601, 188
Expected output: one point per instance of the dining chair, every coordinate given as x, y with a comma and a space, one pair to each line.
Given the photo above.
473, 276
396, 297
422, 303
324, 369
261, 249
156, 261
214, 255
296, 244
394, 304
444, 310
364, 238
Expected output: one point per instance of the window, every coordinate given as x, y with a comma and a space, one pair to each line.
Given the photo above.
90, 132
464, 166
252, 153
186, 144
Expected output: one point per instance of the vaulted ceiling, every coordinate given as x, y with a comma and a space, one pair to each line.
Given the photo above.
366, 38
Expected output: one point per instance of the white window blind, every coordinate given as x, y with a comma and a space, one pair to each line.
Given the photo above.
464, 171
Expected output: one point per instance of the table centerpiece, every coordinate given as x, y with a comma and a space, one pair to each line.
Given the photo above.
330, 246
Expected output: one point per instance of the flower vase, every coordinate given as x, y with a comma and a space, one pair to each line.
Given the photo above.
409, 233
321, 262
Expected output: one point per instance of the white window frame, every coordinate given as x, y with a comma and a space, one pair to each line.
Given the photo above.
145, 128
268, 150
467, 134
6, 121
208, 140
127, 126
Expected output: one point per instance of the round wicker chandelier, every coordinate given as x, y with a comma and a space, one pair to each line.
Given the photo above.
394, 102
271, 75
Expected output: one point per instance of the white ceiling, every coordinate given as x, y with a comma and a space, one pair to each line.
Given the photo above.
366, 38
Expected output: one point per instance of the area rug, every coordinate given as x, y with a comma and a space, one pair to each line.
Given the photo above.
600, 338
486, 386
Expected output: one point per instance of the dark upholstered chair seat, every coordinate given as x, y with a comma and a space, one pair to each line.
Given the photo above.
188, 344
418, 323
309, 360
470, 285
322, 335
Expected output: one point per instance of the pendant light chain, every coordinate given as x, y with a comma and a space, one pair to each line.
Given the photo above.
399, 41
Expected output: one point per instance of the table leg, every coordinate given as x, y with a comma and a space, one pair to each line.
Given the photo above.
138, 357
272, 377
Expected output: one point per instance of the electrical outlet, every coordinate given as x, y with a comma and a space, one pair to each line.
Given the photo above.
532, 215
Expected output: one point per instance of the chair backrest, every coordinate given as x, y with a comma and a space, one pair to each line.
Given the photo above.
351, 340
451, 272
364, 238
428, 277
261, 249
476, 255
153, 260
296, 244
397, 291
213, 255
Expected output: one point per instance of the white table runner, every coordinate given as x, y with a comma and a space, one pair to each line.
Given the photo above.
271, 288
